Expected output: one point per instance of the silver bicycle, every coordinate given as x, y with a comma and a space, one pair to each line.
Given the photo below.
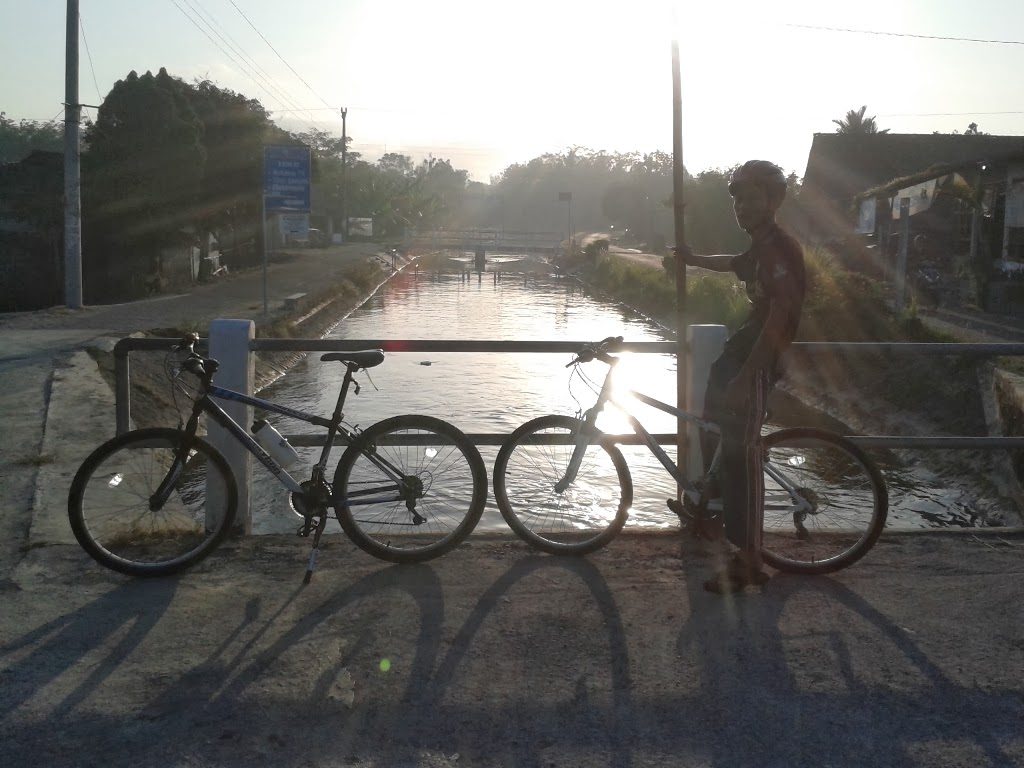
564, 487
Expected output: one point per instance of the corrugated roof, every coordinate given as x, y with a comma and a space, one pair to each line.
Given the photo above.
842, 166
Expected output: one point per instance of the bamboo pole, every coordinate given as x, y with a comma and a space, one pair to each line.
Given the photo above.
680, 234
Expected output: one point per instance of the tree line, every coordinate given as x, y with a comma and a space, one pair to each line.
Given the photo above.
167, 161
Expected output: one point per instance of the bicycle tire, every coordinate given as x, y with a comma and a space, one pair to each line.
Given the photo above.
441, 461
845, 490
109, 502
583, 518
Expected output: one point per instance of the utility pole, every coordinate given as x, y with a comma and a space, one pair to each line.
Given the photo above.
344, 174
72, 167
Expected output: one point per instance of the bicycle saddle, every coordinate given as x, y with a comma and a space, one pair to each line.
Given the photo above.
365, 359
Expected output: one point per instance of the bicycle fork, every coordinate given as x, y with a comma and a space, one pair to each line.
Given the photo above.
583, 435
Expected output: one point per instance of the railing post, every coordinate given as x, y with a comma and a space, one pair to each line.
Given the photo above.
229, 345
704, 343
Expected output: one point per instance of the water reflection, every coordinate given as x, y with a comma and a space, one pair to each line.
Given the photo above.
493, 392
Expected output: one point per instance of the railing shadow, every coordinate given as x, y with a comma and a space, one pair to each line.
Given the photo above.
113, 625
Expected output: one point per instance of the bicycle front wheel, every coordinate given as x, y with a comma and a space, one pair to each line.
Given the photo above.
585, 516
410, 488
825, 501
152, 502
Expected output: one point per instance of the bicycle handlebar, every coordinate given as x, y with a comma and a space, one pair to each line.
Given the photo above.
597, 351
195, 363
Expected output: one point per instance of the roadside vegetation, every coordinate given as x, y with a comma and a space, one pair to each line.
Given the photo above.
840, 305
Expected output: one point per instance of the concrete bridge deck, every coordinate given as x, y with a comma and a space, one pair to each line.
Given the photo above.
488, 656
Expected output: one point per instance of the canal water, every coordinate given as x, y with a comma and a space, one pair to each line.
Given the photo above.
496, 392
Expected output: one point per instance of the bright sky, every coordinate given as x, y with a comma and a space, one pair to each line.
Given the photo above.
488, 84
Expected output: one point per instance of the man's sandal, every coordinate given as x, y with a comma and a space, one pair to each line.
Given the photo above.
736, 577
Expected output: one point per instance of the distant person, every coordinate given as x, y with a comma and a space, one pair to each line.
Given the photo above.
740, 379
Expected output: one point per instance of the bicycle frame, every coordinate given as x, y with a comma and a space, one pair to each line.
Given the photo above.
590, 431
205, 404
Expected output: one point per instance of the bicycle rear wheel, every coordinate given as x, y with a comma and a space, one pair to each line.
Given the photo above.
152, 502
582, 518
410, 488
825, 501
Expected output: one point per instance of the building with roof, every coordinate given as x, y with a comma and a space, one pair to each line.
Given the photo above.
964, 198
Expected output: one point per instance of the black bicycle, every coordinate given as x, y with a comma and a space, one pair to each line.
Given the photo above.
155, 501
564, 487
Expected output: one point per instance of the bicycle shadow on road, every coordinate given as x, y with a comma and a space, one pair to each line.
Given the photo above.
287, 677
810, 671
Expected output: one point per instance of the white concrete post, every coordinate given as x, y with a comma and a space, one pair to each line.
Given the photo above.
229, 345
704, 343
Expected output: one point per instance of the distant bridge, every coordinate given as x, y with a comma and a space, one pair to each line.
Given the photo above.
490, 240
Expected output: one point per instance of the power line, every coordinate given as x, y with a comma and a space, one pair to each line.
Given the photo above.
946, 114
81, 25
279, 55
906, 34
241, 67
207, 18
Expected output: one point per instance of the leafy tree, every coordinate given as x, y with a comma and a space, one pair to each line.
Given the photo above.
329, 173
144, 170
234, 130
856, 123
440, 191
627, 191
710, 222
19, 139
395, 163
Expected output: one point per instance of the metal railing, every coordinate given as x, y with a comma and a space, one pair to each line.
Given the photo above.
124, 348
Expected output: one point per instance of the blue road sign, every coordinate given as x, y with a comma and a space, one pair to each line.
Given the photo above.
286, 179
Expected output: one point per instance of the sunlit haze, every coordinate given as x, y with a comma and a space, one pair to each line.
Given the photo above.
487, 84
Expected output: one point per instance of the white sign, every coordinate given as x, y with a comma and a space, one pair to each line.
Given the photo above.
921, 196
294, 225
866, 217
360, 227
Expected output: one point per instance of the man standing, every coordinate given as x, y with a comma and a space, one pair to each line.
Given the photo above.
773, 272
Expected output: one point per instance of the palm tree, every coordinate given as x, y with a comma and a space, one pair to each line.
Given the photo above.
855, 122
